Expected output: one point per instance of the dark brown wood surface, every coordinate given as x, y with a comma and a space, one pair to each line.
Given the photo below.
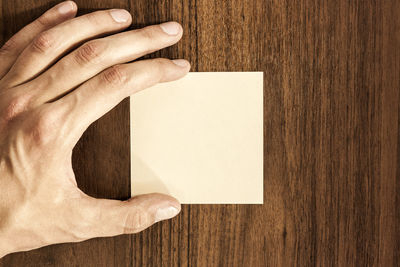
332, 152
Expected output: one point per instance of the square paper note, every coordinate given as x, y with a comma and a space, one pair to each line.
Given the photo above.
200, 139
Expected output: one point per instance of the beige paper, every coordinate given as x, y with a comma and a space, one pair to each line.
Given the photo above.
200, 139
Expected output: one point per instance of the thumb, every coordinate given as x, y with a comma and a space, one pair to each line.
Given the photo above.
112, 217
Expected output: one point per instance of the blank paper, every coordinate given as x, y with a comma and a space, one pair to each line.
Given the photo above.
200, 139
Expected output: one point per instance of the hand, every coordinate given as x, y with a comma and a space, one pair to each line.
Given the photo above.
50, 92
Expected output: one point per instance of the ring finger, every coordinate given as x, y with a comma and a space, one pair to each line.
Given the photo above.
97, 96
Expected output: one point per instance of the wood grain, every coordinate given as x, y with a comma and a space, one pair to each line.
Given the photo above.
332, 164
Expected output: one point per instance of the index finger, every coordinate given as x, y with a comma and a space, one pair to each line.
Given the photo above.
103, 92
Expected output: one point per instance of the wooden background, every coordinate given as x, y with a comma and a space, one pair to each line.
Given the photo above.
332, 176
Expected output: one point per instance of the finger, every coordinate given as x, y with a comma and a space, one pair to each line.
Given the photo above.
50, 45
105, 217
99, 95
97, 55
13, 47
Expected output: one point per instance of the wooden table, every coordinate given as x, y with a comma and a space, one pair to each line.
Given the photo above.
332, 145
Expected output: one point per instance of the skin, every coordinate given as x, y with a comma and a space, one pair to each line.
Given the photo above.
56, 78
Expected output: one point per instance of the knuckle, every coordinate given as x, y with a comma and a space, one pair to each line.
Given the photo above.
153, 75
14, 107
149, 33
136, 221
160, 63
43, 42
43, 127
42, 21
116, 75
8, 47
94, 18
89, 52
158, 69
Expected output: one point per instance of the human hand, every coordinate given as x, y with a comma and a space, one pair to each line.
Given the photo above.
50, 92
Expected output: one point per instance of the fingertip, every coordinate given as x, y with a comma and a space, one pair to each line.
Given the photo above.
174, 202
183, 63
67, 7
161, 206
121, 16
166, 213
74, 6
167, 210
174, 69
184, 67
167, 199
171, 28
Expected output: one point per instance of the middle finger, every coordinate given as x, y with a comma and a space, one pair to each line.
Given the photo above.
97, 55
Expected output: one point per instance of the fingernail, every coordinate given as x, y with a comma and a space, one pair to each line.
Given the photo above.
166, 213
171, 28
181, 62
120, 15
66, 7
